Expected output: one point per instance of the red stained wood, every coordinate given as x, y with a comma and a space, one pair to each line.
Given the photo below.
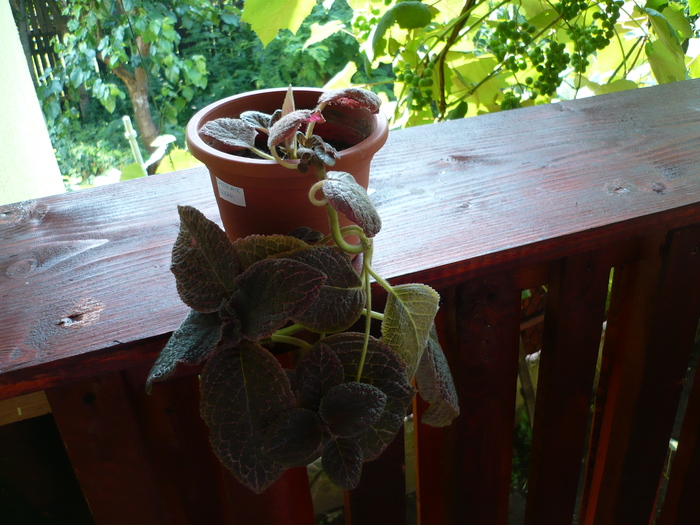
681, 504
652, 323
85, 272
286, 502
572, 329
104, 445
464, 469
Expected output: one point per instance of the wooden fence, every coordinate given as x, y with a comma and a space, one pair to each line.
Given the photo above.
481, 209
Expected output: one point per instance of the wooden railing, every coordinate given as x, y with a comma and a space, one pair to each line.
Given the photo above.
481, 209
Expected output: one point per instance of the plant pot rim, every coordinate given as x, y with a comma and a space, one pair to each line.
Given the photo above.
207, 154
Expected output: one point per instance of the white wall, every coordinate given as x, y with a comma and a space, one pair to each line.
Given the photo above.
28, 167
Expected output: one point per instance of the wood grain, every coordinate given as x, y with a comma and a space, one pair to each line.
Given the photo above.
86, 272
464, 469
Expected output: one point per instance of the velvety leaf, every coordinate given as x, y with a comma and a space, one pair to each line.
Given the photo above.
273, 291
384, 369
342, 462
235, 133
306, 234
190, 344
294, 439
436, 386
204, 262
408, 317
256, 119
341, 298
255, 248
286, 127
352, 97
346, 196
243, 390
351, 408
319, 371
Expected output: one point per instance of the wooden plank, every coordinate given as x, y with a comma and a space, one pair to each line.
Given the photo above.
104, 445
23, 407
464, 470
681, 504
380, 498
572, 329
176, 443
653, 324
79, 272
286, 502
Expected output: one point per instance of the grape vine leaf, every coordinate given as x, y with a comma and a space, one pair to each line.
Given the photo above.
408, 15
271, 292
436, 386
342, 462
243, 391
346, 196
191, 343
351, 408
267, 17
341, 298
408, 318
204, 262
295, 438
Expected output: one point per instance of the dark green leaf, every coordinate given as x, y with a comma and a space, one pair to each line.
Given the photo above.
318, 372
351, 408
190, 344
273, 291
341, 298
384, 369
346, 196
255, 248
408, 317
342, 462
244, 390
435, 385
204, 262
294, 439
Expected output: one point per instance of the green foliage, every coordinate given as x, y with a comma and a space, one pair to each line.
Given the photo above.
456, 58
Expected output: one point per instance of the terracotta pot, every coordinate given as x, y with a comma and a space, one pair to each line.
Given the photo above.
259, 196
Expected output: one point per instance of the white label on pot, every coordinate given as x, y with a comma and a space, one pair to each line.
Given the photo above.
231, 193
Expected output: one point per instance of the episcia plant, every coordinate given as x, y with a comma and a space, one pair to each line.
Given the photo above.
282, 324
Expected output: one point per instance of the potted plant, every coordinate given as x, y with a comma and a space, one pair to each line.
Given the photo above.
283, 325
254, 192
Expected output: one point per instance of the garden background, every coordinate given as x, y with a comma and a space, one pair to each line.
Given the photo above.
158, 62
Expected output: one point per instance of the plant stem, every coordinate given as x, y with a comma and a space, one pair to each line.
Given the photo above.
291, 340
338, 235
366, 262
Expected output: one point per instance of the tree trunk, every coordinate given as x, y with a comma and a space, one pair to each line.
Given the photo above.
137, 86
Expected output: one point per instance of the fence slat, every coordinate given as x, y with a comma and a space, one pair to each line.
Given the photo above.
380, 498
652, 324
464, 470
681, 504
104, 445
572, 328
